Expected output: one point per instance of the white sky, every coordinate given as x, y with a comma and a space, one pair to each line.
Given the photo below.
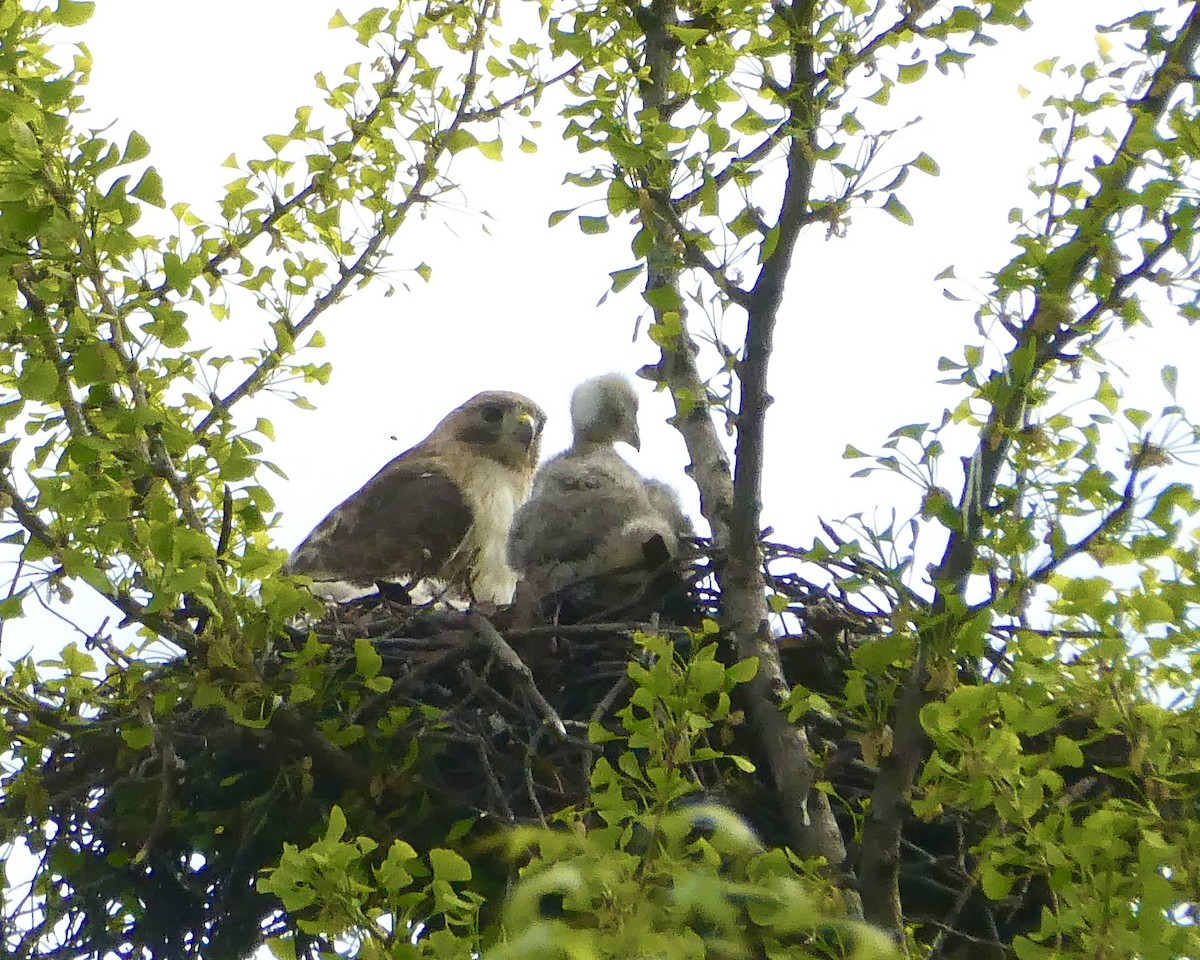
860, 331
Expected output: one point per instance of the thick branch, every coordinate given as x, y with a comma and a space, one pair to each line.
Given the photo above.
812, 827
677, 370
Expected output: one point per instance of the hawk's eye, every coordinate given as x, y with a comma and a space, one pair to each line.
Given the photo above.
492, 413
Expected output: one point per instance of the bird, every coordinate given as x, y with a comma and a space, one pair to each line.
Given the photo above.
595, 536
439, 510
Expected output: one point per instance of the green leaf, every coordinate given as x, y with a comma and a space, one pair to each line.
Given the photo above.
367, 661
743, 671
752, 122
12, 607
301, 692
592, 225
706, 676
1139, 418
898, 210
460, 140
689, 35
72, 13
913, 431
337, 825
138, 738
995, 884
150, 188
136, 148
282, 948
1106, 393
883, 94
496, 68
1067, 752
913, 72
38, 380
424, 271
528, 146
492, 149
926, 164
367, 26
392, 874
623, 278
449, 866
1170, 379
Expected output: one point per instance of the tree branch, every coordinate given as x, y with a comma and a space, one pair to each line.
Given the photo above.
812, 829
61, 551
677, 368
385, 228
1063, 269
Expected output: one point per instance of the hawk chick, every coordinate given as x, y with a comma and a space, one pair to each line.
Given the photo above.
595, 535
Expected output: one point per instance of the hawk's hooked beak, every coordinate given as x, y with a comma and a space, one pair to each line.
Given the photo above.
527, 428
635, 439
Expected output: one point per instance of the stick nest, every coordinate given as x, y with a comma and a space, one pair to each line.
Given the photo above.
171, 797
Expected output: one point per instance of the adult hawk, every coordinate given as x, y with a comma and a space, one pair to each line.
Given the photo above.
441, 509
595, 536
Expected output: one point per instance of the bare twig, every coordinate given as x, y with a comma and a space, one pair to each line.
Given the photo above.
507, 656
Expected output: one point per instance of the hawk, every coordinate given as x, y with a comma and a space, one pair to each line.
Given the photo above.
595, 534
439, 510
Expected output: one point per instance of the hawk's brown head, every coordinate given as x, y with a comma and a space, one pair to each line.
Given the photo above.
503, 426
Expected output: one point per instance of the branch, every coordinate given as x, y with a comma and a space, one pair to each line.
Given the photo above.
496, 644
906, 24
777, 136
72, 411
385, 228
231, 248
1104, 527
1063, 270
677, 370
61, 551
540, 87
694, 256
812, 829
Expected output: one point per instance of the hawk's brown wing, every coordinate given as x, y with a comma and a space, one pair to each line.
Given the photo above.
405, 522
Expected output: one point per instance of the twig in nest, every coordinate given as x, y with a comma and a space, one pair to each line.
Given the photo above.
531, 787
577, 630
498, 646
163, 813
619, 689
477, 742
485, 692
430, 665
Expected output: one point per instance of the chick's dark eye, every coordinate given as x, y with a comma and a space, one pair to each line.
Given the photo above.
492, 413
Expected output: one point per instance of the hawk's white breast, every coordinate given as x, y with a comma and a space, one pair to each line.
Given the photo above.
495, 492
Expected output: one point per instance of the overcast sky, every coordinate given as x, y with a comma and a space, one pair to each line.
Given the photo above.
862, 327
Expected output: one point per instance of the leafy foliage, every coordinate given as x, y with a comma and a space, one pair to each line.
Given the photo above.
991, 755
